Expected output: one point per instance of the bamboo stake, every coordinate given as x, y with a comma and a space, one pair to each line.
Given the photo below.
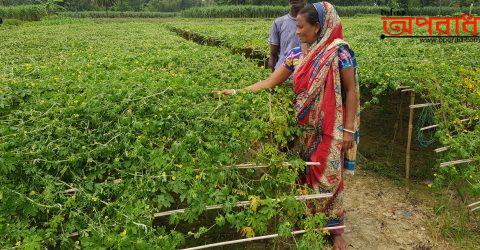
409, 139
436, 125
473, 204
429, 127
244, 204
306, 163
423, 105
253, 239
70, 191
284, 163
407, 90
475, 209
254, 166
442, 149
403, 87
452, 163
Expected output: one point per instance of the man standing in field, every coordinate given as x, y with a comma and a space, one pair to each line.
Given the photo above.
282, 35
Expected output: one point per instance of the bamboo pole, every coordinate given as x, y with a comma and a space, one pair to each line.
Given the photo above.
473, 204
403, 87
452, 163
423, 105
429, 127
254, 166
475, 209
244, 204
407, 90
436, 125
225, 243
409, 139
70, 191
74, 234
442, 149
284, 163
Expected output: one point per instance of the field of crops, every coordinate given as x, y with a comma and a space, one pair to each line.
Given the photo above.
106, 123
100, 132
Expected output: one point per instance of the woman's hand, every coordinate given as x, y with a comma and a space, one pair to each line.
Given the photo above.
280, 75
225, 92
348, 141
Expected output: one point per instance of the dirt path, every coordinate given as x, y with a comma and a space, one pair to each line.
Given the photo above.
383, 215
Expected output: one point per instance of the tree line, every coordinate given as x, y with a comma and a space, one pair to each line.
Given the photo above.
177, 5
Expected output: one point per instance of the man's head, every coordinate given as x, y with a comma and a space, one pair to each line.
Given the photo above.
297, 4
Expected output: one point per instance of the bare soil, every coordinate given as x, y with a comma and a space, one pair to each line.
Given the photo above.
385, 215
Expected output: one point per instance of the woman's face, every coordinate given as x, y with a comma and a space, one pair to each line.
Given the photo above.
306, 32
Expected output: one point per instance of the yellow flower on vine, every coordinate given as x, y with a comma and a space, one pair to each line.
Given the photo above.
248, 232
254, 202
469, 83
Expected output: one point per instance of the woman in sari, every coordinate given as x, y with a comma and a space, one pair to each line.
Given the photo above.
327, 104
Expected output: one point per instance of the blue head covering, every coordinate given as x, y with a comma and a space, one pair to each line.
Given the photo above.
321, 13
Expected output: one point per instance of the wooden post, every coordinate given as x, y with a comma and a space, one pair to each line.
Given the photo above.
409, 140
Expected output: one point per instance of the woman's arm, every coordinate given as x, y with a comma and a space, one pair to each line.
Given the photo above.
279, 76
347, 76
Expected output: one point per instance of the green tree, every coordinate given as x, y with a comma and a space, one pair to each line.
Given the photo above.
164, 5
105, 3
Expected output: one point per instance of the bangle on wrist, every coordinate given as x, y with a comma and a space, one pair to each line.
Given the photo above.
349, 131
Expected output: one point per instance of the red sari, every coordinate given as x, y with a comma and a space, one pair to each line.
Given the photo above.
320, 109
